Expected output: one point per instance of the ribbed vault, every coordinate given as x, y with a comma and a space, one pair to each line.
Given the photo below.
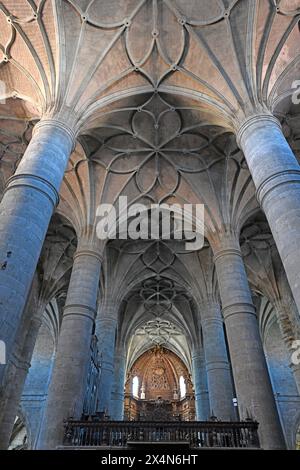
155, 91
234, 57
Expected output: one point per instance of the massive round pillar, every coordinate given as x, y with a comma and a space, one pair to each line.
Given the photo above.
251, 377
219, 380
200, 385
28, 203
17, 373
118, 396
69, 377
276, 175
19, 364
106, 326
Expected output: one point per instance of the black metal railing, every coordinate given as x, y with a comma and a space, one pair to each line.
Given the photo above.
196, 434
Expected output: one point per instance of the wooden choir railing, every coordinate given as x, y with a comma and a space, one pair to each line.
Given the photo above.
196, 434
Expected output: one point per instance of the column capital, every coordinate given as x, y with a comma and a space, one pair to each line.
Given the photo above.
35, 182
227, 252
252, 122
107, 319
56, 123
278, 179
225, 241
242, 308
217, 364
88, 252
212, 320
79, 310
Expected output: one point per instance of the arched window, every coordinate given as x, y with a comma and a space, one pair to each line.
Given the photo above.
182, 387
135, 386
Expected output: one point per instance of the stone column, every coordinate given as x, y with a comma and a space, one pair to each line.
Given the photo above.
106, 327
251, 377
276, 175
118, 394
28, 203
18, 366
200, 385
69, 377
219, 379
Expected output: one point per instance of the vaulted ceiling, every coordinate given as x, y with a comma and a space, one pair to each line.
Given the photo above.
155, 90
75, 58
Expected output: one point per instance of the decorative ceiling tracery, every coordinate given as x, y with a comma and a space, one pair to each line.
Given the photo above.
155, 89
162, 282
157, 153
232, 56
158, 331
156, 143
